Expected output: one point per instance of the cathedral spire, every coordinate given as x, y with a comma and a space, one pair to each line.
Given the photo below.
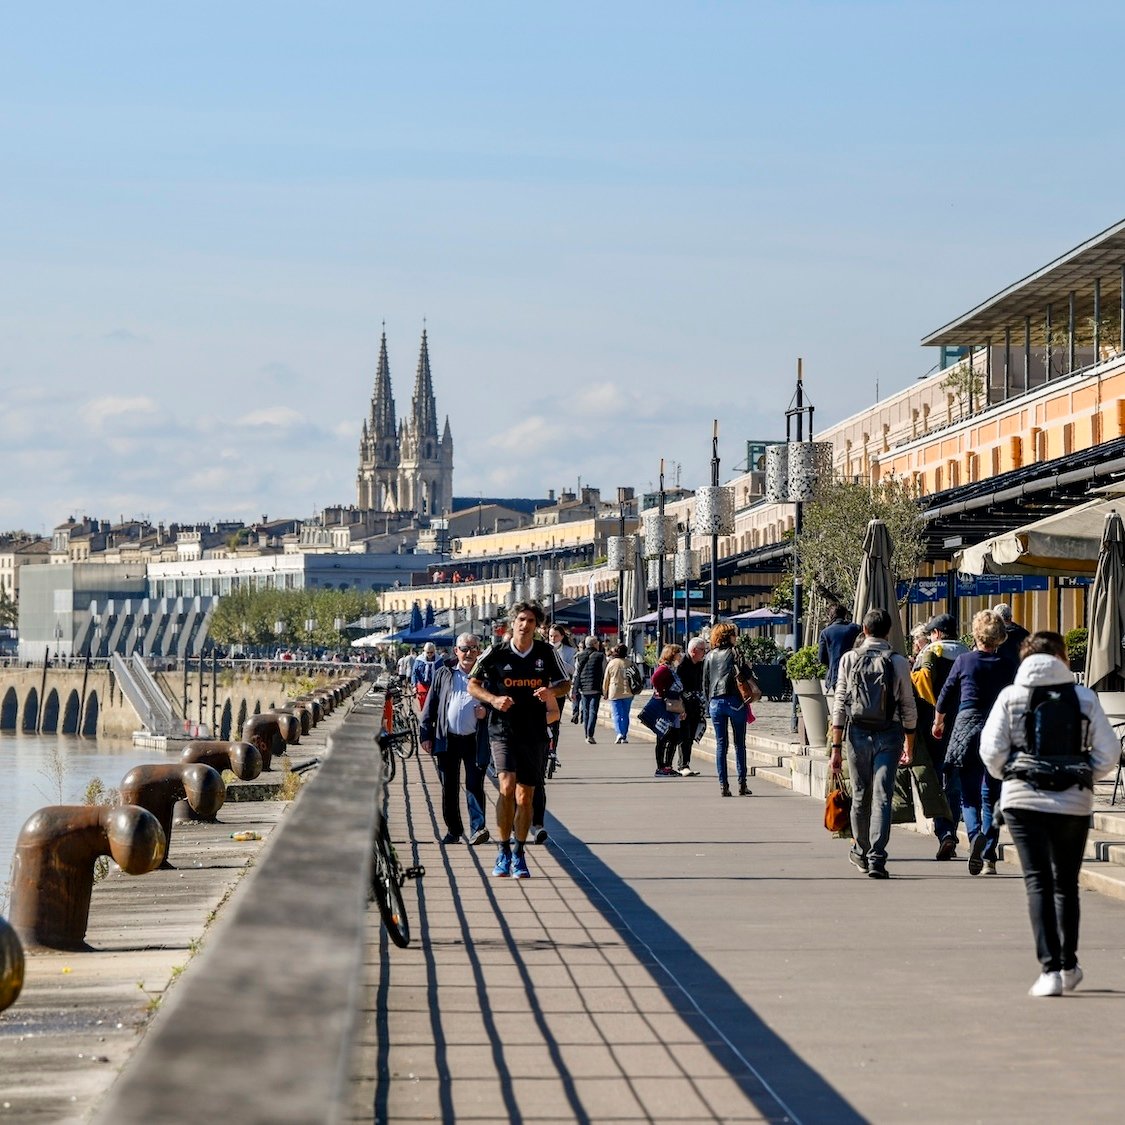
382, 400
424, 413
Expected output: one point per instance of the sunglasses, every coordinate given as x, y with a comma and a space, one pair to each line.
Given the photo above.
472, 648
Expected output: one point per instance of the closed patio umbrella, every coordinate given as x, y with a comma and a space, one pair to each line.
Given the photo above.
429, 619
875, 588
1105, 658
416, 621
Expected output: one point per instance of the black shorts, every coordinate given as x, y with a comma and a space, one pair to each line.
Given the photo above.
524, 756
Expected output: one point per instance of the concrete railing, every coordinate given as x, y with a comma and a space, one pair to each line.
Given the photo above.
262, 1025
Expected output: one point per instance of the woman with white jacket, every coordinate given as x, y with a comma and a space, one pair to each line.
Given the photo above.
1049, 827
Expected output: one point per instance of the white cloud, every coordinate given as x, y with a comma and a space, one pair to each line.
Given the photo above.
122, 413
527, 435
283, 417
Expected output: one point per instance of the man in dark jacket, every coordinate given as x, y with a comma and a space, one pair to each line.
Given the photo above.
454, 732
1017, 634
589, 672
836, 639
690, 672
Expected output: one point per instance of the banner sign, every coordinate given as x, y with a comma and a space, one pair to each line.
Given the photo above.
693, 595
979, 585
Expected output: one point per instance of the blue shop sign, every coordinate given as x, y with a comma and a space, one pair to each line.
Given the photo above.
924, 590
990, 585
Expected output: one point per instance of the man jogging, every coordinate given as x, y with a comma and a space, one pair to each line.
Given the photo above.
517, 678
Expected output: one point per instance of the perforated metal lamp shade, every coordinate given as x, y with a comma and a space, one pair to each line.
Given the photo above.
810, 463
621, 552
552, 582
653, 572
714, 510
660, 534
777, 474
534, 588
687, 565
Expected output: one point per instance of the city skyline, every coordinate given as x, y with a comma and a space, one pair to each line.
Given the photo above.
617, 223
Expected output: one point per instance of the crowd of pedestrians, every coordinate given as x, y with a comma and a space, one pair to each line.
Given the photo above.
966, 721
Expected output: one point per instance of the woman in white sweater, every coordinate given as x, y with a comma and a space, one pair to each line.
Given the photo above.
1049, 826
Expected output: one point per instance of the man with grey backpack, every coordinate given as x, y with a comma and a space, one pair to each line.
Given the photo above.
875, 702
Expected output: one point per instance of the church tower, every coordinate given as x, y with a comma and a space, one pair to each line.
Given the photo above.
425, 476
404, 467
377, 480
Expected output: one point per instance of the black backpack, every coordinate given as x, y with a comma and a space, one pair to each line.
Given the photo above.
1055, 736
634, 678
871, 688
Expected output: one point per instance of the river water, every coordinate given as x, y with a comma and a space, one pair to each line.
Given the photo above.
38, 770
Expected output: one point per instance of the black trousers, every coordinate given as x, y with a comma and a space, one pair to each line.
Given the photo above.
1050, 847
689, 723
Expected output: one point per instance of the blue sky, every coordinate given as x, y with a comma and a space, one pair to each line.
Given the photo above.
619, 221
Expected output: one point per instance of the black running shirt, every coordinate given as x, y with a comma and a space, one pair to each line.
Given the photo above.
503, 671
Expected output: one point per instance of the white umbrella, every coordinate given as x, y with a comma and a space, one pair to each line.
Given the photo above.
1105, 658
875, 588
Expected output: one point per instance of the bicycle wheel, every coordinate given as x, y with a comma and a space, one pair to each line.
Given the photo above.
390, 766
387, 890
408, 748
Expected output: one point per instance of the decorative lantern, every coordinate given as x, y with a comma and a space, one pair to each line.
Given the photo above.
552, 582
777, 474
653, 572
810, 462
686, 565
488, 610
714, 510
519, 591
660, 534
621, 552
534, 588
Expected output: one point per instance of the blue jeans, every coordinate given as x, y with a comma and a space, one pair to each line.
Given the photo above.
461, 749
620, 708
723, 709
590, 704
980, 793
872, 763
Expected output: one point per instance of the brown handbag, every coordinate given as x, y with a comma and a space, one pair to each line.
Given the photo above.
674, 705
747, 685
837, 805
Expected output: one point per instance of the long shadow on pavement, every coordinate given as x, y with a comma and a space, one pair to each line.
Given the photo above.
770, 1073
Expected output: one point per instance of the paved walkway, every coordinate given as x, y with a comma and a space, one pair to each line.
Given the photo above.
680, 957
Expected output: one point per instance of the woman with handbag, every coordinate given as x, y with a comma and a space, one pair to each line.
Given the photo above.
666, 687
615, 688
721, 669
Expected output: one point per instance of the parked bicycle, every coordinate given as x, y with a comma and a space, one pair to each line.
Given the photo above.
387, 873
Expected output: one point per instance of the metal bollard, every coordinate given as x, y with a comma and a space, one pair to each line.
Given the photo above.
290, 727
158, 788
53, 869
241, 758
264, 732
11, 965
302, 713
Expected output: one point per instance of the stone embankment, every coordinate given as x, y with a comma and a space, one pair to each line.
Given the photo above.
81, 1015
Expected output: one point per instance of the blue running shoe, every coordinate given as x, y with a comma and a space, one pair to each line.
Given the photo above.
503, 866
519, 867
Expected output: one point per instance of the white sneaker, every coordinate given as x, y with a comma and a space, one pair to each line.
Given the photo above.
1072, 978
619, 739
1048, 984
685, 772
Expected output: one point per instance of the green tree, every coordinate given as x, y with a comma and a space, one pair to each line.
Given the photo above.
967, 386
831, 547
8, 612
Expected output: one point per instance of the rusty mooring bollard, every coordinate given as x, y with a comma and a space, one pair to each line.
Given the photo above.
264, 732
290, 727
158, 788
241, 758
53, 869
11, 965
302, 713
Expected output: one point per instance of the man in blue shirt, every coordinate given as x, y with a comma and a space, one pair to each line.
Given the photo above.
453, 731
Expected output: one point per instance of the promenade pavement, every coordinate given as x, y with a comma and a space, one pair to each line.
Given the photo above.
680, 957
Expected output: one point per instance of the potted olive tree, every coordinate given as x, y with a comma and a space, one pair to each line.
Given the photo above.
806, 671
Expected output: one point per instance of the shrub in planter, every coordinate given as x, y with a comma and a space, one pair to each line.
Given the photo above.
1076, 641
805, 664
757, 650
